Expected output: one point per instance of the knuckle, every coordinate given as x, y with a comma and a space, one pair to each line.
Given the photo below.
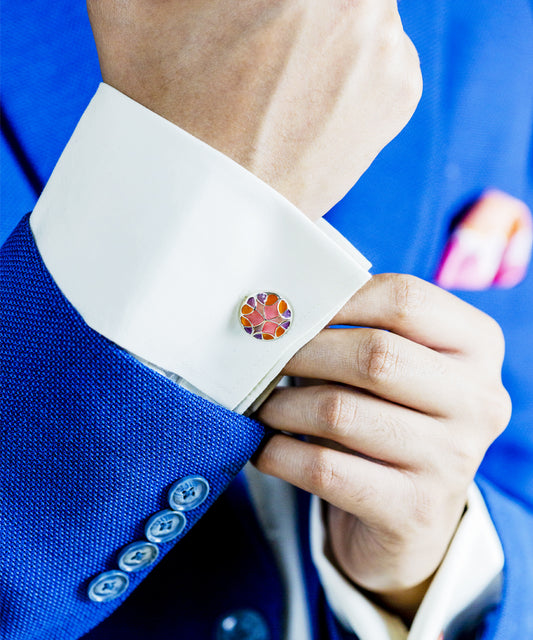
390, 35
506, 408
322, 473
336, 411
408, 296
499, 409
485, 418
413, 77
496, 338
377, 359
407, 82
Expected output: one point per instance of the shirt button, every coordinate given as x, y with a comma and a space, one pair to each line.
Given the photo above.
137, 556
244, 624
108, 586
188, 493
165, 526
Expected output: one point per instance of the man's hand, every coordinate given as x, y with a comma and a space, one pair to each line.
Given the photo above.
303, 94
397, 433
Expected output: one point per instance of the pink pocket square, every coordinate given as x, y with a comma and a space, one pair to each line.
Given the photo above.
491, 247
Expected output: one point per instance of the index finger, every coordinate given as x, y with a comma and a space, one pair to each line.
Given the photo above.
422, 312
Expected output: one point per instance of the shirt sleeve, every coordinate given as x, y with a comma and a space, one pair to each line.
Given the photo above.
157, 239
467, 583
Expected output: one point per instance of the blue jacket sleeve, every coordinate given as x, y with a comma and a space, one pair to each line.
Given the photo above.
512, 619
91, 443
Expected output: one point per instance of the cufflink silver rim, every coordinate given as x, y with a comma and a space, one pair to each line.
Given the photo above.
265, 315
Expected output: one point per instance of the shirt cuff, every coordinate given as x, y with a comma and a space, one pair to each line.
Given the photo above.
156, 239
465, 585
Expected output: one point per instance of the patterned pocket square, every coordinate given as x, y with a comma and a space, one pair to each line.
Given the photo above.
491, 246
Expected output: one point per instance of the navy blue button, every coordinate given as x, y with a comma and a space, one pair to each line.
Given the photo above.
243, 624
165, 526
137, 556
108, 586
188, 493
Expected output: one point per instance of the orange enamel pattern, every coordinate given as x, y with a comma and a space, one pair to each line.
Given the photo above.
265, 315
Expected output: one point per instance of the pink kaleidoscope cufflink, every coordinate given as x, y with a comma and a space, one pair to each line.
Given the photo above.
265, 315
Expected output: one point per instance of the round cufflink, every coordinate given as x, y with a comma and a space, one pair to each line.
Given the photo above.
265, 315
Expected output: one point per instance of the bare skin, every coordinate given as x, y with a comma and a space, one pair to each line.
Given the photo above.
398, 431
305, 95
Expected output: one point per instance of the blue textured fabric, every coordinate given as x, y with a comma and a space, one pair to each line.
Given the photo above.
46, 45
225, 566
513, 618
16, 193
86, 466
472, 130
91, 442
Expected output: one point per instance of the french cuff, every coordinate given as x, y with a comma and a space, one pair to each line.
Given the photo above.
466, 585
156, 239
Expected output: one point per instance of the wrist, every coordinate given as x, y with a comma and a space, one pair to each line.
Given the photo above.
394, 574
404, 603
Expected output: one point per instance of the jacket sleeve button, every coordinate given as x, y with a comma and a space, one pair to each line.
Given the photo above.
164, 526
188, 493
108, 586
137, 556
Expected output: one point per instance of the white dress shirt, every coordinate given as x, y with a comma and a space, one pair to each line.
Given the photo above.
143, 230
156, 238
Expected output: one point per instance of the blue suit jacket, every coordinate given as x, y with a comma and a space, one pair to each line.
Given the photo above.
92, 440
